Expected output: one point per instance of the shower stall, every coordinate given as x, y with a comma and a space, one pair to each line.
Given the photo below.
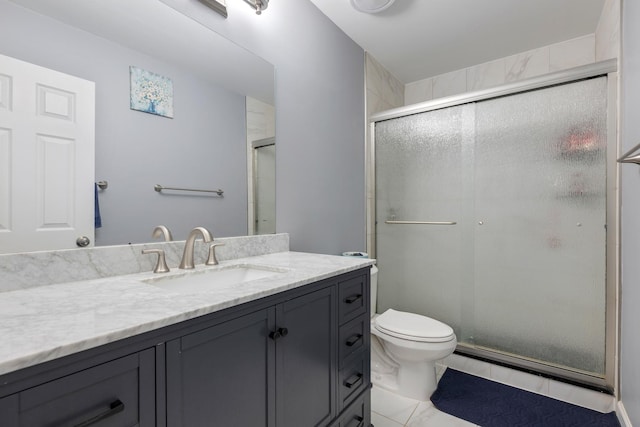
496, 213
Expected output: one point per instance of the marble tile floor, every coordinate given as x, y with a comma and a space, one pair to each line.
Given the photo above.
392, 410
389, 409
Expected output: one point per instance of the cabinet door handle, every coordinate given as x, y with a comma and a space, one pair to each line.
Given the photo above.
275, 335
279, 333
352, 298
353, 339
353, 380
357, 421
115, 407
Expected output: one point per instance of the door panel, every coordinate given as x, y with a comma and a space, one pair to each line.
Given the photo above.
540, 253
420, 176
47, 133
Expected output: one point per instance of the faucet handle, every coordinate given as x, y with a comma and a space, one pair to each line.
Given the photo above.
212, 260
161, 265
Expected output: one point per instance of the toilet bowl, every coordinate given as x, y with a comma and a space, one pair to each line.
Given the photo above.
405, 347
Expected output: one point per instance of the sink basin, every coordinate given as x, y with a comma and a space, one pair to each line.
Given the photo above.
209, 279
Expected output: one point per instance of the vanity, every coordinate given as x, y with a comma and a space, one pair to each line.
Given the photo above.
290, 348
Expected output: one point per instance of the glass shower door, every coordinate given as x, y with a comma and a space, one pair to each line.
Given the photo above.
522, 273
420, 177
540, 226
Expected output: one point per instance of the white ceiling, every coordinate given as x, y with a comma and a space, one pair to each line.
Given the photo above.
416, 39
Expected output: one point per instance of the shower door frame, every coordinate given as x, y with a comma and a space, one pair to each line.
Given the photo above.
607, 68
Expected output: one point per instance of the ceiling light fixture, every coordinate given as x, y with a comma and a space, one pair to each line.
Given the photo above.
218, 5
258, 5
371, 6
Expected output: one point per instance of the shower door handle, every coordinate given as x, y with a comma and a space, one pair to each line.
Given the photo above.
422, 222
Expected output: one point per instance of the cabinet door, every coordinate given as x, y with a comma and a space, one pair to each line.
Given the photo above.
306, 360
9, 409
223, 375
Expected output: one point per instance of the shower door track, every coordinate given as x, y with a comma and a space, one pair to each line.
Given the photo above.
609, 382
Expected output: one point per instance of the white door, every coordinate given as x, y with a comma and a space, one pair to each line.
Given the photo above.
46, 158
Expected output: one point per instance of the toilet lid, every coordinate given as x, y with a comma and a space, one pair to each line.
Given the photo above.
413, 327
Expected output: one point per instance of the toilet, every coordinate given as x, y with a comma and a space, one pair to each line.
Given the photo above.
405, 348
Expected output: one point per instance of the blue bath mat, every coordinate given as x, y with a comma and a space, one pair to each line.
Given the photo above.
490, 404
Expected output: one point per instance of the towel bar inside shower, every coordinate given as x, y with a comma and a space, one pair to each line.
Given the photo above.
422, 222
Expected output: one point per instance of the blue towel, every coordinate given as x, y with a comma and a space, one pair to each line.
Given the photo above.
97, 217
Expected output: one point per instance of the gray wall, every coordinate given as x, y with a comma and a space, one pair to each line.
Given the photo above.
320, 185
630, 133
203, 146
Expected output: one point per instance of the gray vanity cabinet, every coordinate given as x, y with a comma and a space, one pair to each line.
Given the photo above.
299, 358
274, 368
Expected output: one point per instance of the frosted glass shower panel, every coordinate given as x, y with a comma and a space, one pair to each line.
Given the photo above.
420, 177
540, 238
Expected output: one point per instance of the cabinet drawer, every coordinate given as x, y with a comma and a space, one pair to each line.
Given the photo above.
354, 378
356, 415
353, 298
353, 336
107, 395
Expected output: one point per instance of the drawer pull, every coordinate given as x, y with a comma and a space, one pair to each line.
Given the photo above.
353, 380
353, 298
353, 340
114, 408
358, 422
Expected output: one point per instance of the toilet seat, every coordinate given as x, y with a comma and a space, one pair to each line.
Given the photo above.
413, 327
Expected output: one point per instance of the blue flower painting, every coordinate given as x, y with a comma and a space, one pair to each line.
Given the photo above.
151, 93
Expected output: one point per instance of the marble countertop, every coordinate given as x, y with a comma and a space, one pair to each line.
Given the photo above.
48, 322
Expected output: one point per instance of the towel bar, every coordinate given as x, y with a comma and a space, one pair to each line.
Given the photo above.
422, 222
159, 188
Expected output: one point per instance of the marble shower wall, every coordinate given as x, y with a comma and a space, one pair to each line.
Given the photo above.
384, 90
608, 31
603, 44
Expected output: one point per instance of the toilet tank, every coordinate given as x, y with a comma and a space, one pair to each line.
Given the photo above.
374, 289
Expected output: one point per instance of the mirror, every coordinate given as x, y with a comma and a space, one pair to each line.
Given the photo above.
223, 97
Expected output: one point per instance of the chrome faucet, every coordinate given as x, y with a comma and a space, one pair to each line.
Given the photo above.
189, 245
162, 231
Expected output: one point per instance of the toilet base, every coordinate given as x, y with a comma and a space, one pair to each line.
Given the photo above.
417, 380
384, 371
